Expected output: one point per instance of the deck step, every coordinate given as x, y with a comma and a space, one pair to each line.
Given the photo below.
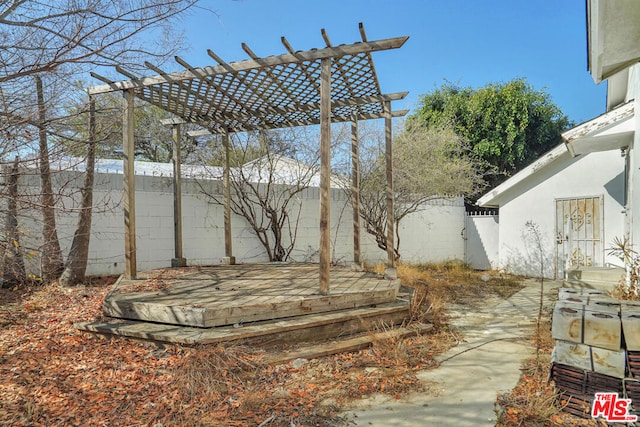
345, 345
311, 327
217, 296
603, 278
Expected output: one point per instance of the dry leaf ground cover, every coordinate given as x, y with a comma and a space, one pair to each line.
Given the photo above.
53, 375
533, 402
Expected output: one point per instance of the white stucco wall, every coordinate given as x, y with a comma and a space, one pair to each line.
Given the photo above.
433, 234
633, 84
533, 201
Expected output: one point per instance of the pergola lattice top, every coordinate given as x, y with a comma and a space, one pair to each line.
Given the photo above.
298, 88
267, 93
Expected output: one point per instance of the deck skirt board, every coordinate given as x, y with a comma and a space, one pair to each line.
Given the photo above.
295, 329
207, 297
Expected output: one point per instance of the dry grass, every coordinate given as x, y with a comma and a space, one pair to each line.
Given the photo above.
621, 292
533, 402
436, 285
313, 393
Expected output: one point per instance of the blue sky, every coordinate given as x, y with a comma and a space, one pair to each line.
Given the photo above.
468, 42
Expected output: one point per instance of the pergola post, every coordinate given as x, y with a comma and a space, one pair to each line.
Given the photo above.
178, 260
226, 181
391, 256
355, 192
325, 175
128, 123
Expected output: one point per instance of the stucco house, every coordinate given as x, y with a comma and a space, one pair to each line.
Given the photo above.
565, 210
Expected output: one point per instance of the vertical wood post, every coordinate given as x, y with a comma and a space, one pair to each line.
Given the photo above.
325, 175
355, 190
391, 258
130, 268
178, 260
228, 247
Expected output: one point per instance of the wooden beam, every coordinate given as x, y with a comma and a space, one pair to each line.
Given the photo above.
325, 175
355, 191
101, 78
128, 124
363, 34
270, 61
343, 345
391, 258
173, 121
126, 73
228, 248
325, 37
200, 132
178, 260
334, 119
350, 102
342, 119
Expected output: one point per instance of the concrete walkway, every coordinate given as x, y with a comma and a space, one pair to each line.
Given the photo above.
462, 390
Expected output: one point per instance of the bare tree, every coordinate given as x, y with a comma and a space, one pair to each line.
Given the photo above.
51, 259
270, 171
427, 164
58, 43
13, 268
153, 141
42, 37
76, 265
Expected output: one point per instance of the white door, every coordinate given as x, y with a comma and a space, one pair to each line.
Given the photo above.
579, 233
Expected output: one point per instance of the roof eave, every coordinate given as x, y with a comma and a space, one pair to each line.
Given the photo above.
613, 29
611, 130
492, 199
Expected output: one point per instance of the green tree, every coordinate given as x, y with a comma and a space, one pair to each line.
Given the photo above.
508, 125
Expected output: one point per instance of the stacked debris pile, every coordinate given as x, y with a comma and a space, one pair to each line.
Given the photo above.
597, 349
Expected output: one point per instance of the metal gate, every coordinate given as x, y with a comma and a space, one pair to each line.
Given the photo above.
579, 233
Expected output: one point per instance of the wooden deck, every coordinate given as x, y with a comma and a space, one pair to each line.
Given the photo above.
206, 297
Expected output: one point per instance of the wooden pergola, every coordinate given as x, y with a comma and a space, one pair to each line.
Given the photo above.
299, 88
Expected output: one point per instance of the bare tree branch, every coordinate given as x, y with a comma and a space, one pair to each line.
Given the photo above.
427, 164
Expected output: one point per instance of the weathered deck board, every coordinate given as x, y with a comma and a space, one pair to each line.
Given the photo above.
350, 344
226, 295
314, 327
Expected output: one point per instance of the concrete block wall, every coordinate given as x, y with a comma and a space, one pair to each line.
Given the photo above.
433, 234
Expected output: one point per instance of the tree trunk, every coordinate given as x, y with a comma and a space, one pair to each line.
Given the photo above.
51, 257
13, 261
76, 267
